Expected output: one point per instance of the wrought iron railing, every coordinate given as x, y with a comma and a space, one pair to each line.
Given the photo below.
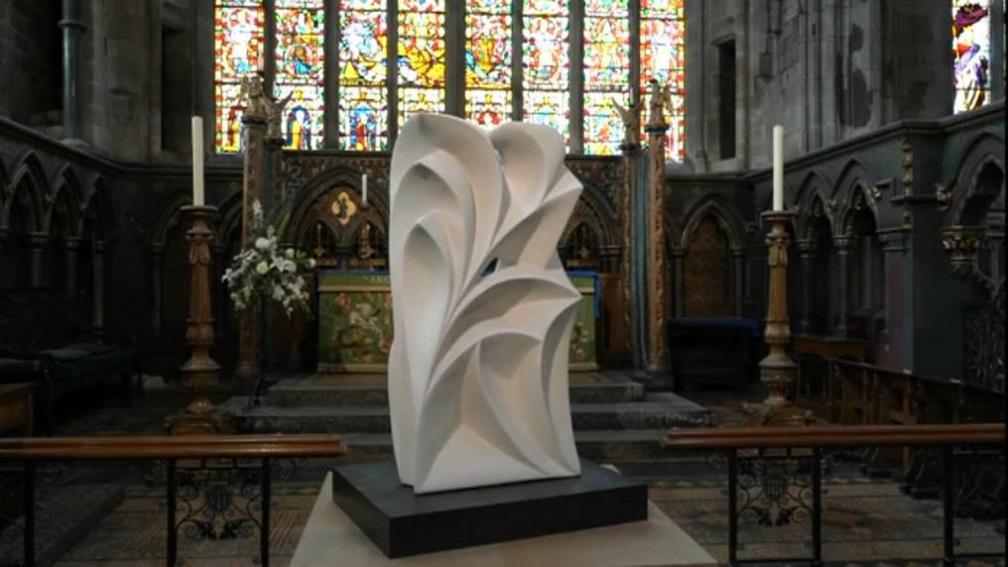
775, 475
200, 475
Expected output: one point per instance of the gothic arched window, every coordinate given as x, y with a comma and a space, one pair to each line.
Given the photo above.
239, 39
299, 38
546, 64
971, 50
391, 59
488, 61
421, 57
363, 75
606, 73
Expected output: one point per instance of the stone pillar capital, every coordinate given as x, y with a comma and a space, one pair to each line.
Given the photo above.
961, 244
843, 243
807, 248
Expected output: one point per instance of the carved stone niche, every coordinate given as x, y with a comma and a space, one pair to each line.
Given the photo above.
961, 244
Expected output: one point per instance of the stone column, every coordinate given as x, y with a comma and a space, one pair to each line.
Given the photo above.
71, 247
98, 280
807, 252
73, 29
842, 245
253, 188
656, 128
157, 293
36, 243
738, 275
678, 272
632, 263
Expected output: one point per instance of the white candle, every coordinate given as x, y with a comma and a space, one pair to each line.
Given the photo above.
778, 168
363, 182
197, 161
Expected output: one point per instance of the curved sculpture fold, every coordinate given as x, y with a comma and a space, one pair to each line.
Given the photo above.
483, 308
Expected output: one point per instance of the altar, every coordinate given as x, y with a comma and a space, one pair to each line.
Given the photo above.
354, 314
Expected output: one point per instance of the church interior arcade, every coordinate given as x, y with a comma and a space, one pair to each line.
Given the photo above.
791, 224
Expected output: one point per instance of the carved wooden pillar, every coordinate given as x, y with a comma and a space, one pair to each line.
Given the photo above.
71, 248
807, 252
843, 245
199, 373
36, 243
777, 370
253, 188
98, 285
656, 128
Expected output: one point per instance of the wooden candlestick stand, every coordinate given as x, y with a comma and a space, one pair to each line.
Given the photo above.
777, 370
200, 372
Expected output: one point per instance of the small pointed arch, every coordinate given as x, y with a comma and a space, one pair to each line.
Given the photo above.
63, 216
96, 214
725, 215
167, 217
814, 205
852, 195
979, 181
229, 224
594, 207
301, 203
673, 231
28, 195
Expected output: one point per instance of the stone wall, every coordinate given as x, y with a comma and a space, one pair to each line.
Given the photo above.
30, 59
827, 70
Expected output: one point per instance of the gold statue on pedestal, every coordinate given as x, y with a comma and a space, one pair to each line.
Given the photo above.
259, 105
631, 122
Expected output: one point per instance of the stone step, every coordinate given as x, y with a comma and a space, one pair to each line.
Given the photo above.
64, 515
365, 390
656, 411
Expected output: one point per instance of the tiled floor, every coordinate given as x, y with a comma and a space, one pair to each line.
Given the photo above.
864, 519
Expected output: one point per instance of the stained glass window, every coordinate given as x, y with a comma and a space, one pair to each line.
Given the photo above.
421, 72
606, 73
238, 50
300, 62
488, 61
971, 28
663, 49
545, 64
363, 50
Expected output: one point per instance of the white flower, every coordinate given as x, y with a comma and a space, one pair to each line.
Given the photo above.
278, 293
311, 262
262, 268
262, 244
290, 252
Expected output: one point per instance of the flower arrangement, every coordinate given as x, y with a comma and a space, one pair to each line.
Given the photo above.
265, 271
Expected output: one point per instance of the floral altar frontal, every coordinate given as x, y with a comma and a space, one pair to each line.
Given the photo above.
354, 311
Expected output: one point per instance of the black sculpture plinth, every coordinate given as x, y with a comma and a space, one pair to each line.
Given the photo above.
402, 523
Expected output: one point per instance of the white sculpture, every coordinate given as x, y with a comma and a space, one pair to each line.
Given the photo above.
483, 309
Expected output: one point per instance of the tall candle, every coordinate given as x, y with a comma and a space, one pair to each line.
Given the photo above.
363, 182
197, 161
778, 168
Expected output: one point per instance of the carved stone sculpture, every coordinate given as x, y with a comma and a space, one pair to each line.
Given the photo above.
483, 308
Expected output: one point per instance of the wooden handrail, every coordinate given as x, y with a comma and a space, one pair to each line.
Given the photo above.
171, 447
835, 436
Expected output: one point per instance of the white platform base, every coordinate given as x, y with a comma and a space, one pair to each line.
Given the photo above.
330, 538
